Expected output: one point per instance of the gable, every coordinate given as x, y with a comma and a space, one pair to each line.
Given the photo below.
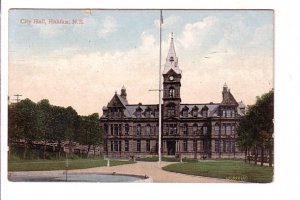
115, 102
228, 99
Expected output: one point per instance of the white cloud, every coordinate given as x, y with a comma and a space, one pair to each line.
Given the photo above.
71, 76
109, 25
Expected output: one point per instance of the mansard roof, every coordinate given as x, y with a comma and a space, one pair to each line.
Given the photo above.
212, 109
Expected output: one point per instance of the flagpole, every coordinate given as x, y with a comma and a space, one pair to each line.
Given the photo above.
159, 93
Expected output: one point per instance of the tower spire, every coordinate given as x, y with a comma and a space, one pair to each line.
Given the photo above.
172, 59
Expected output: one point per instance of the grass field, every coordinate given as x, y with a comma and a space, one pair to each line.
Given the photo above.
46, 165
227, 169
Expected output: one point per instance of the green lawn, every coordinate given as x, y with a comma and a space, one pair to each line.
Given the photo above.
46, 165
227, 169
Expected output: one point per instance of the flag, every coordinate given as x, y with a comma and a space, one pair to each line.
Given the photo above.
161, 18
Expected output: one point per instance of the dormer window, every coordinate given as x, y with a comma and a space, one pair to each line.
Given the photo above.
138, 112
147, 113
171, 59
156, 113
204, 113
195, 113
185, 113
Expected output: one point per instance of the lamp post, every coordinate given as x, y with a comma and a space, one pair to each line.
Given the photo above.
159, 93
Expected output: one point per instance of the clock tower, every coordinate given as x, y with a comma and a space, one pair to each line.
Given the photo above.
171, 85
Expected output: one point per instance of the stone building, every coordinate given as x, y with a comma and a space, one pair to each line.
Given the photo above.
201, 130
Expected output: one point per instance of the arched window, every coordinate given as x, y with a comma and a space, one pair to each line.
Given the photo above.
138, 129
171, 59
204, 130
172, 92
148, 129
195, 128
185, 129
126, 129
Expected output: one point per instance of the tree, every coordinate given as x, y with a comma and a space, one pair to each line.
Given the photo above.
44, 123
22, 122
89, 131
255, 130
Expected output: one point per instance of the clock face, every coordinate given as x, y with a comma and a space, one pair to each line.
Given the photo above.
171, 78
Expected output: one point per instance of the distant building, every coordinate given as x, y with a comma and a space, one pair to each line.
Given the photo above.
200, 130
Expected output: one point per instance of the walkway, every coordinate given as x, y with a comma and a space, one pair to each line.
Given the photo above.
152, 170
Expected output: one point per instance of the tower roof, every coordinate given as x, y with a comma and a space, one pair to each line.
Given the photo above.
172, 59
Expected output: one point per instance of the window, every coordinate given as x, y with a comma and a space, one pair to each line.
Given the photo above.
228, 129
171, 59
116, 147
138, 114
120, 129
195, 129
228, 146
148, 145
195, 145
185, 129
138, 129
204, 113
156, 113
185, 146
126, 145
204, 130
148, 129
224, 113
185, 113
172, 129
195, 113
171, 92
116, 129
228, 113
111, 146
120, 146
105, 129
171, 110
112, 129
217, 146
224, 146
147, 114
126, 129
217, 128
232, 146
223, 129
138, 145
233, 129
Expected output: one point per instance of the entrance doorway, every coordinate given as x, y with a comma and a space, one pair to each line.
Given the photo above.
171, 147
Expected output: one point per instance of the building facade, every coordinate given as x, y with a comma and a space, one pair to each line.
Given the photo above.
200, 131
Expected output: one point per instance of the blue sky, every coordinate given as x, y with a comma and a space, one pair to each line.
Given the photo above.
120, 47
